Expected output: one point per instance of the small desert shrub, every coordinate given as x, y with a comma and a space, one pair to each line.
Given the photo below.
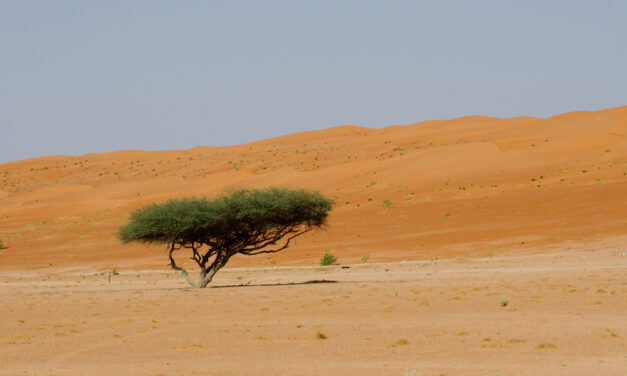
504, 303
365, 258
320, 335
1, 244
386, 204
546, 345
328, 258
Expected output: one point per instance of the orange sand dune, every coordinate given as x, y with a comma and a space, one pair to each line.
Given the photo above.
472, 186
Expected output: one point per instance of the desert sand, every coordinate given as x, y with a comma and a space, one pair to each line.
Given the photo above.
565, 315
455, 216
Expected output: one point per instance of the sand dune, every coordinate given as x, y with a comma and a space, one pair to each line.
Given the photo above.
513, 232
466, 187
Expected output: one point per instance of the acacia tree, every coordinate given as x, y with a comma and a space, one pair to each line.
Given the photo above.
247, 221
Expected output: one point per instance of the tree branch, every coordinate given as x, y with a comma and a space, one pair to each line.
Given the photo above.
210, 252
181, 271
196, 256
287, 243
270, 239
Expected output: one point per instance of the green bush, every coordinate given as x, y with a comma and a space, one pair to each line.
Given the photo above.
387, 204
1, 244
328, 258
364, 258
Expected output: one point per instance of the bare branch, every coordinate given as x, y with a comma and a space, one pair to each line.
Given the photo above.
287, 243
196, 255
180, 270
270, 239
210, 252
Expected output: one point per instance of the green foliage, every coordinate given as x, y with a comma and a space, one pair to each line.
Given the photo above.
1, 244
504, 303
364, 258
328, 258
386, 204
233, 217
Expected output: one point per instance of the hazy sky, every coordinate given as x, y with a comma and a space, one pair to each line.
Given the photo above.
87, 76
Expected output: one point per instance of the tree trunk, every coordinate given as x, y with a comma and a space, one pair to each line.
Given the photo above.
183, 273
205, 277
179, 270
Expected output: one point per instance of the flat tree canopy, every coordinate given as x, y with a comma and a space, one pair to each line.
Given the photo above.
246, 221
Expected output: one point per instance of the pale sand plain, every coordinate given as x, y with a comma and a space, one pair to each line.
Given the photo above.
525, 209
565, 316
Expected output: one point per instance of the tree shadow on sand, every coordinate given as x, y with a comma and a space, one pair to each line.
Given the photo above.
313, 281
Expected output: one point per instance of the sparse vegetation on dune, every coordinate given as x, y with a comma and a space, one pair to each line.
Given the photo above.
328, 258
486, 178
